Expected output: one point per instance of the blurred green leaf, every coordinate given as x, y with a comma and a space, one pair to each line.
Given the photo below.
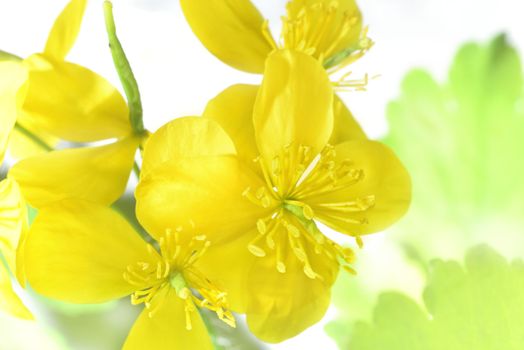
355, 296
461, 142
480, 306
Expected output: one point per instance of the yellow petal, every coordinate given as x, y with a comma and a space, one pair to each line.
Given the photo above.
20, 252
9, 301
185, 137
65, 30
74, 103
14, 75
98, 174
232, 30
345, 128
199, 193
228, 266
77, 251
22, 146
13, 218
376, 201
333, 25
233, 110
294, 107
284, 304
166, 329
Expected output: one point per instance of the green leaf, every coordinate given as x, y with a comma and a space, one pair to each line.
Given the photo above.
479, 306
461, 142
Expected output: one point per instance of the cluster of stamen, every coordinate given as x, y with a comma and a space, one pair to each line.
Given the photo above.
318, 30
291, 180
173, 271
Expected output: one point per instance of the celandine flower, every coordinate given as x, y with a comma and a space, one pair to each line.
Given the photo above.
236, 33
82, 252
72, 103
259, 184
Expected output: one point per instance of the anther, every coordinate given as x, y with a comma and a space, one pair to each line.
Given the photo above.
256, 250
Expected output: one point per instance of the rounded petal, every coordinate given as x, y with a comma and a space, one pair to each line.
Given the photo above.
13, 219
228, 266
12, 91
22, 146
376, 201
65, 30
204, 194
282, 305
77, 251
233, 110
232, 30
345, 127
166, 329
185, 137
98, 174
74, 103
294, 106
9, 301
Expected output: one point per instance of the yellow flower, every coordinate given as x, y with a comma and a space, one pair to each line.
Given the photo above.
257, 174
82, 252
236, 33
13, 213
72, 103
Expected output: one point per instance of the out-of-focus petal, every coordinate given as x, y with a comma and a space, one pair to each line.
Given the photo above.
65, 30
73, 103
166, 328
78, 251
9, 301
232, 30
12, 89
98, 174
13, 219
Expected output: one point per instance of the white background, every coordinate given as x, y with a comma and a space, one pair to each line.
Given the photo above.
177, 76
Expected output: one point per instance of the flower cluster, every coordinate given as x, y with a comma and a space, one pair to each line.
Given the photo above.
230, 201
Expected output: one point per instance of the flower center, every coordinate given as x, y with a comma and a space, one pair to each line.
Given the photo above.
174, 271
290, 229
326, 32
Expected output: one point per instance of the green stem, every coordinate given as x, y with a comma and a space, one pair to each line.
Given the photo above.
136, 170
124, 71
6, 56
33, 137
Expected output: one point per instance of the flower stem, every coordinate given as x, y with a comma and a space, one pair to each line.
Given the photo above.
33, 137
124, 71
136, 170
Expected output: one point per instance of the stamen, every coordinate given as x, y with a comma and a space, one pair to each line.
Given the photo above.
172, 269
261, 197
359, 241
319, 29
